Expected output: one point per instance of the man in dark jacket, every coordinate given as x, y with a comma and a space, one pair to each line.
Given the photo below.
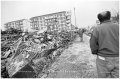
104, 43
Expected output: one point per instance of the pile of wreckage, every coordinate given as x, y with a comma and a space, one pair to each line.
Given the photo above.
32, 54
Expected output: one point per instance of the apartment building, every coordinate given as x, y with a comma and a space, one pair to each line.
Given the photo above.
18, 24
54, 21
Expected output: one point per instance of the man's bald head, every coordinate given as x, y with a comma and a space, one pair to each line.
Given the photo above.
103, 16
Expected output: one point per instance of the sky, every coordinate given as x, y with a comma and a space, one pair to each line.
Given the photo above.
85, 10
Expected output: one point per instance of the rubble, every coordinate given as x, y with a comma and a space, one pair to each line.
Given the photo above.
32, 54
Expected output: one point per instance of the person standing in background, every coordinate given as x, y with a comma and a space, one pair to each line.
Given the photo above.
80, 33
104, 43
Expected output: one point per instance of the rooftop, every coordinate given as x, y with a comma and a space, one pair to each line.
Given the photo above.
48, 14
15, 21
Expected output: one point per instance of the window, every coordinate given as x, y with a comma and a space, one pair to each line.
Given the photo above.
45, 24
60, 14
57, 15
61, 18
41, 24
20, 22
68, 17
40, 18
12, 24
44, 17
9, 24
36, 18
33, 19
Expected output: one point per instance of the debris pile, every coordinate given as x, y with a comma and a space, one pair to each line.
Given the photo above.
32, 54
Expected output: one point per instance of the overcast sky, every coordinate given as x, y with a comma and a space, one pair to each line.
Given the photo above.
86, 11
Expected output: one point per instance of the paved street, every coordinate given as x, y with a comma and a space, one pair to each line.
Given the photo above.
75, 62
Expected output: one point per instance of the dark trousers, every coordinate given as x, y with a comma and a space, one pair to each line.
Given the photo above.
108, 68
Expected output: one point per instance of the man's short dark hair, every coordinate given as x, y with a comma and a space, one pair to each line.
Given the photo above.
103, 16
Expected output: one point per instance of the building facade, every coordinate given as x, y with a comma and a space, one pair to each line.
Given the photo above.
18, 24
54, 21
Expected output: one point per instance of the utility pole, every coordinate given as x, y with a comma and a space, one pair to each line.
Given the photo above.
75, 17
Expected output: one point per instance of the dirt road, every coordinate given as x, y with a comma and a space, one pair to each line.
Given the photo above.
75, 62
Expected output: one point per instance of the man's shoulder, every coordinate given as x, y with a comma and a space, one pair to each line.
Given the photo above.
115, 23
111, 23
105, 26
